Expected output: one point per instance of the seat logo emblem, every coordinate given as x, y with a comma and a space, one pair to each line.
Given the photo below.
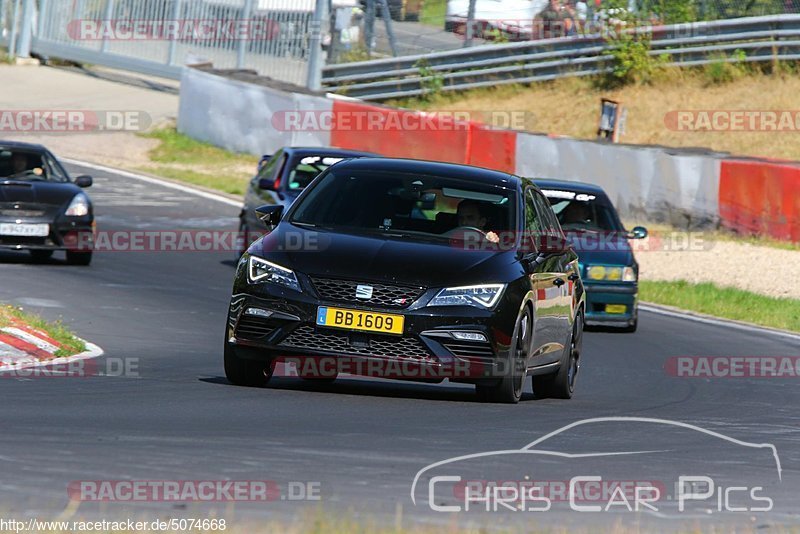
363, 292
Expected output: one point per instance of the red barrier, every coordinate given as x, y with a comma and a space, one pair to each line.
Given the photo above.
493, 149
399, 133
760, 198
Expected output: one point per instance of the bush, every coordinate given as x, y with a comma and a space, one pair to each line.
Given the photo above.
721, 71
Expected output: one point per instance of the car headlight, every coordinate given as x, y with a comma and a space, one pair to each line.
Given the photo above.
483, 296
79, 206
610, 273
628, 274
260, 270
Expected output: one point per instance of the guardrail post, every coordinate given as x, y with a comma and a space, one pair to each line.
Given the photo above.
314, 79
241, 46
173, 43
109, 13
24, 46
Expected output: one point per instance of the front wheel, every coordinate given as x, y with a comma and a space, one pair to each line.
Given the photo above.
509, 389
561, 384
245, 372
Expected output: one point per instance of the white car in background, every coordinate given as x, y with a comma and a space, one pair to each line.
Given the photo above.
513, 18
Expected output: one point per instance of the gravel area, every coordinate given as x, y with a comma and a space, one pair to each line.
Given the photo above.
764, 270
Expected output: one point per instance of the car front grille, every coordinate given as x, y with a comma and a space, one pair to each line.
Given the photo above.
252, 327
401, 348
472, 351
384, 296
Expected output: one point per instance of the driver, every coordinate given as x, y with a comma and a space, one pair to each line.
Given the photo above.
19, 163
576, 213
470, 214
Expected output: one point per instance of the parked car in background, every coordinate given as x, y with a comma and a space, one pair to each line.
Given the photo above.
513, 19
42, 209
280, 178
608, 267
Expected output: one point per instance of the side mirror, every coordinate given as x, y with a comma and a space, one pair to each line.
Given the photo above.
83, 181
270, 214
638, 232
264, 160
266, 183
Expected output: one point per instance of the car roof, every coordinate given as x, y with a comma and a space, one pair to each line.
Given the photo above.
324, 151
23, 146
568, 185
435, 168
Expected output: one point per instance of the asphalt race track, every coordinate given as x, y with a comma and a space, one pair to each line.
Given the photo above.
363, 441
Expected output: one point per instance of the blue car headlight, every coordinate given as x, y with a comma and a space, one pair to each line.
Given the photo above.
481, 296
261, 270
610, 273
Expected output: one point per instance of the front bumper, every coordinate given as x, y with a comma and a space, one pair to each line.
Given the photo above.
425, 351
75, 233
599, 295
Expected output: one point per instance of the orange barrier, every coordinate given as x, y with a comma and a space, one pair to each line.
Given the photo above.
760, 198
493, 149
399, 133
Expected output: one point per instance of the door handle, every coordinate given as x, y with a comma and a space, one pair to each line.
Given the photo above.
573, 277
558, 282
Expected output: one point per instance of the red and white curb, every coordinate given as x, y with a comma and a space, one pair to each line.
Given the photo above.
23, 347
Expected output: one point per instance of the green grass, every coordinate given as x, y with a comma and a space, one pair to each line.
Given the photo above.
179, 148
219, 182
56, 330
433, 12
725, 302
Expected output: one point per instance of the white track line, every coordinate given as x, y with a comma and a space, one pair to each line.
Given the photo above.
707, 319
163, 183
646, 307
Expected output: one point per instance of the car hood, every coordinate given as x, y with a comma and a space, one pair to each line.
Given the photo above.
380, 259
604, 249
31, 192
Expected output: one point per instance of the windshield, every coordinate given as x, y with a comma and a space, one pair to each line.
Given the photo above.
413, 205
583, 211
29, 166
303, 169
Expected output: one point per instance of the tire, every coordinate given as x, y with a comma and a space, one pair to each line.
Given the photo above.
41, 255
244, 372
509, 389
631, 328
79, 258
561, 384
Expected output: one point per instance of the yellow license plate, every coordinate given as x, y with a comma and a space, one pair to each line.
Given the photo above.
360, 320
616, 308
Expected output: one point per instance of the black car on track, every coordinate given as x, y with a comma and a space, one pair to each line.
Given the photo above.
42, 209
280, 179
435, 266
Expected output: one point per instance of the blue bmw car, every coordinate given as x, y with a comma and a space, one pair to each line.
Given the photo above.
608, 267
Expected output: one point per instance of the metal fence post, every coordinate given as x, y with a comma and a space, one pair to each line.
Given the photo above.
314, 80
43, 11
173, 44
24, 45
243, 43
109, 13
12, 36
469, 31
